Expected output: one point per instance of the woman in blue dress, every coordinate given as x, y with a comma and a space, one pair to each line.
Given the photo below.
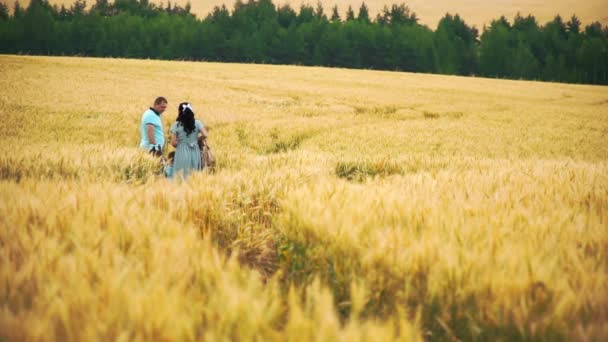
184, 137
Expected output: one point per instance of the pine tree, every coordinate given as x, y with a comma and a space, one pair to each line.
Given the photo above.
335, 15
363, 13
307, 14
383, 18
3, 11
574, 25
78, 8
319, 12
401, 14
63, 13
18, 11
350, 14
286, 16
102, 7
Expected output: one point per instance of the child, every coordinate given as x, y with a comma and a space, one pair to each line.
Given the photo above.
168, 169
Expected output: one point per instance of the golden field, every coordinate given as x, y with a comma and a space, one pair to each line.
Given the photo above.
478, 13
346, 205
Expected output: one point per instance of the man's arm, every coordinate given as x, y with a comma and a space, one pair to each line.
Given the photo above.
150, 131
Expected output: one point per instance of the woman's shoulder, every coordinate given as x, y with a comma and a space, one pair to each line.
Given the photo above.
199, 124
175, 126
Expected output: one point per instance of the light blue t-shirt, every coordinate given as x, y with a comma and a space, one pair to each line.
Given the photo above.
151, 118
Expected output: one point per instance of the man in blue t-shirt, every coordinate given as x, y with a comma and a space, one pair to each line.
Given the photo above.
152, 138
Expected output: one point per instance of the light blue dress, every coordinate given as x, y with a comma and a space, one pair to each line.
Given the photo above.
187, 153
168, 169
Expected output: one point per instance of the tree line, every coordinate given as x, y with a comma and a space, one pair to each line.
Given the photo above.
260, 32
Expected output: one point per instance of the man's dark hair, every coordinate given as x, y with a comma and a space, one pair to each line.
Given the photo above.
160, 100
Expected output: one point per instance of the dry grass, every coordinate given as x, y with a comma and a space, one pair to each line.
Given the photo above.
347, 205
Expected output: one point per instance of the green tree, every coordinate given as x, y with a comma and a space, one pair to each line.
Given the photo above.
383, 17
397, 15
320, 12
287, 46
574, 41
555, 39
4, 15
257, 31
573, 25
592, 56
363, 13
17, 10
496, 49
38, 28
594, 30
78, 8
412, 48
524, 63
102, 7
64, 13
286, 16
335, 15
350, 14
456, 46
306, 15
334, 47
528, 50
6, 35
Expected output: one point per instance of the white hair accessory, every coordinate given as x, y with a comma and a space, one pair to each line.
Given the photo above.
187, 105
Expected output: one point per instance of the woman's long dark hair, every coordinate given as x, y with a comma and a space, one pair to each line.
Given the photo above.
186, 117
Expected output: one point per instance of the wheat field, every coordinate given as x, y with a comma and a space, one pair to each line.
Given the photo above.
346, 205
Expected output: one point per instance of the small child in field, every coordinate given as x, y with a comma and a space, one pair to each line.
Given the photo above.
168, 169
